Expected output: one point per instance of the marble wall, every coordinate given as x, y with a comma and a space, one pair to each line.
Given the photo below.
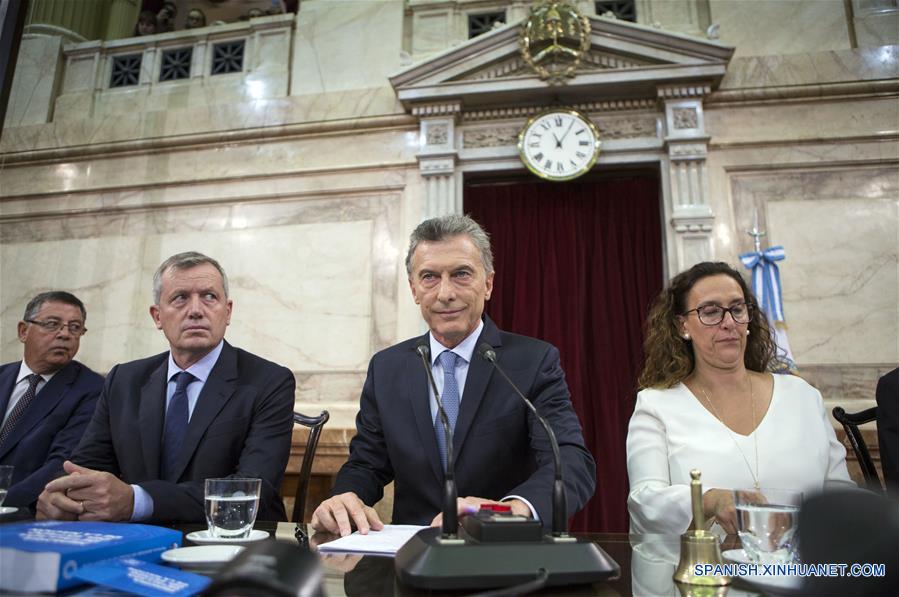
307, 196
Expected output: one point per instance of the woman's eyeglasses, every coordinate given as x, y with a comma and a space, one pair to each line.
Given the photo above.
714, 314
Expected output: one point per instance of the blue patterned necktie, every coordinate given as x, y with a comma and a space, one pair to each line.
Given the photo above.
19, 409
176, 419
450, 398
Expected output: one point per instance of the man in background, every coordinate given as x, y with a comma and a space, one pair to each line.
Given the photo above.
47, 398
166, 423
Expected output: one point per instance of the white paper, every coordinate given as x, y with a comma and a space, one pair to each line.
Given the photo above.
386, 542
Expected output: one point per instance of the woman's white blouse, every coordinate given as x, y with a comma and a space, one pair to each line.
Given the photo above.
671, 433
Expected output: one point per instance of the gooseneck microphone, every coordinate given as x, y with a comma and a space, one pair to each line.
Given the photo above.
450, 513
560, 500
436, 560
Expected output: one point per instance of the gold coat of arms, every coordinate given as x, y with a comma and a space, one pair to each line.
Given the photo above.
554, 39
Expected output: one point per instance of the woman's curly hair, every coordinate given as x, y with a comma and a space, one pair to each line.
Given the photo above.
668, 357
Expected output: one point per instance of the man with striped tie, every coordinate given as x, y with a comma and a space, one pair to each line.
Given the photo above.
47, 398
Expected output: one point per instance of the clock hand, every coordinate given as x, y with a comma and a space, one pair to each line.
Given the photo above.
559, 141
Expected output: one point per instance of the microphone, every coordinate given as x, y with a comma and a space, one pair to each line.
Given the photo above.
432, 561
559, 498
450, 513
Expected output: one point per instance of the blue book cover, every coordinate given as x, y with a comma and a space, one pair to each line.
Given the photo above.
43, 556
137, 577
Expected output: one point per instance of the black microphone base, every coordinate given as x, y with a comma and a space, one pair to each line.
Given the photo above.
424, 563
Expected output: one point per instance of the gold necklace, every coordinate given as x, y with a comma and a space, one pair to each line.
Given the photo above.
755, 438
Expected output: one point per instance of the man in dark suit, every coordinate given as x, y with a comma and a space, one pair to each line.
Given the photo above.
164, 424
888, 428
501, 451
47, 398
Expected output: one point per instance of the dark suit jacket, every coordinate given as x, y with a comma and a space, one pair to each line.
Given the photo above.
49, 430
888, 427
241, 426
499, 447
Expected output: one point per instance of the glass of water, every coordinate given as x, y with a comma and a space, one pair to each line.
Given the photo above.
231, 506
766, 522
5, 480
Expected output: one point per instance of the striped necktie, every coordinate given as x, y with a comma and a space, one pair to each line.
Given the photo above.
450, 398
19, 409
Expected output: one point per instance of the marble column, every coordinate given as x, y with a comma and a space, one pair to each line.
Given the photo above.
437, 158
74, 20
686, 142
122, 18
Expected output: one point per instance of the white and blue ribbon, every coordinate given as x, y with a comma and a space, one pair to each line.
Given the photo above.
766, 279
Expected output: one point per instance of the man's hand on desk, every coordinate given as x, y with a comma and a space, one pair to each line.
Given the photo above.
471, 505
340, 513
85, 494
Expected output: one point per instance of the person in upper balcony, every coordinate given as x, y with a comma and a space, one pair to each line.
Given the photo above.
146, 24
196, 18
709, 402
501, 451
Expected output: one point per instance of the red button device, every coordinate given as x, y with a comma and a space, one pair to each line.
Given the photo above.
497, 508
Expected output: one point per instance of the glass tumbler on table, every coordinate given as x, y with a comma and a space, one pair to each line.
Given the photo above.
231, 506
767, 520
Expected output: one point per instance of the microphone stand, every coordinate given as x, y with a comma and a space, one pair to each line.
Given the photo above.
450, 509
560, 498
434, 560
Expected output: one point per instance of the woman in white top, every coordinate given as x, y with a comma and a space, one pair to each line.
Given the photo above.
710, 403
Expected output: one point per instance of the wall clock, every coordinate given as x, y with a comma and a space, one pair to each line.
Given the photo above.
559, 144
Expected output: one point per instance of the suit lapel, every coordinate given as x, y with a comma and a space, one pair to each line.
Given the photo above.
7, 382
151, 415
44, 401
479, 373
217, 390
419, 397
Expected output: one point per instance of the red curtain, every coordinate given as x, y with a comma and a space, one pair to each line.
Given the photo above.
577, 264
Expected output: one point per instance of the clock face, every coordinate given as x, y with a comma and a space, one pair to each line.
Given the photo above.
559, 144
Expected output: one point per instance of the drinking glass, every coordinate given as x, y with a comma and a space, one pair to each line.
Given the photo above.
766, 522
5, 480
231, 506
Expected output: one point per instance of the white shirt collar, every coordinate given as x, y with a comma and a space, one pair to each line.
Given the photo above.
202, 368
25, 371
464, 349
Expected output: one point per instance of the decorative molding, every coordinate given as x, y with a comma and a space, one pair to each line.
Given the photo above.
616, 127
508, 68
198, 140
437, 165
683, 91
508, 112
686, 151
606, 61
515, 66
692, 225
436, 134
627, 127
492, 137
442, 109
792, 93
685, 118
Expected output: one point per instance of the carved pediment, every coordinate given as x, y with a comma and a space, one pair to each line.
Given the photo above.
625, 60
515, 66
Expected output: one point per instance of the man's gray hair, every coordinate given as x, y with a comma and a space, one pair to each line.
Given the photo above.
53, 296
185, 260
445, 227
